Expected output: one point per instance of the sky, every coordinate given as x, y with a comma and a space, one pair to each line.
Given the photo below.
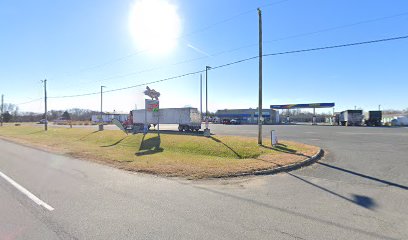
78, 46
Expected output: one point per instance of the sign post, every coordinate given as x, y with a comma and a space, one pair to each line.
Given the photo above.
152, 105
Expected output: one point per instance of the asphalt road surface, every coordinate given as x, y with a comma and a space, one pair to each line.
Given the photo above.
359, 190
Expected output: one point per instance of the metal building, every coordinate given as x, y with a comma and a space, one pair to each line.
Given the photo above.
248, 116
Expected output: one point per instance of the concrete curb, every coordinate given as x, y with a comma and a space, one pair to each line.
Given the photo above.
287, 168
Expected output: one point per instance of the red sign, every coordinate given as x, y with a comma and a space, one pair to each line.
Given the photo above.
152, 105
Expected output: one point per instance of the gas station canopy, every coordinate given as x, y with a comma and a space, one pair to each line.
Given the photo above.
306, 105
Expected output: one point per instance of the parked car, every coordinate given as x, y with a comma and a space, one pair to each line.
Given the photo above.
235, 122
42, 121
60, 121
225, 121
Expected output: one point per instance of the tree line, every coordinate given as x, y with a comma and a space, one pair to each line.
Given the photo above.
11, 113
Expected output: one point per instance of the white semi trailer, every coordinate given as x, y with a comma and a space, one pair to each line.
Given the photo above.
188, 119
351, 118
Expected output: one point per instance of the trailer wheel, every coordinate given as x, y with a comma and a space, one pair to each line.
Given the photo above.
180, 128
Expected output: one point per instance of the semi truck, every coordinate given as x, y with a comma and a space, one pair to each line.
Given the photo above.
351, 118
373, 118
187, 119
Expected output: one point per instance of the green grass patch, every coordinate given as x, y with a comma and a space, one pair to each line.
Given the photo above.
167, 154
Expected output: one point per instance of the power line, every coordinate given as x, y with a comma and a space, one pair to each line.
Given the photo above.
179, 37
337, 46
244, 60
233, 17
223, 52
34, 100
338, 27
242, 47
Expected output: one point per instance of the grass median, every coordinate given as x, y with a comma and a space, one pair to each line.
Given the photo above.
170, 154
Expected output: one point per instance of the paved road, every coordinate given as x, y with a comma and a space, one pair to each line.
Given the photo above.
358, 191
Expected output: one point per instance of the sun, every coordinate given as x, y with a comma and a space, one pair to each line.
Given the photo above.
155, 25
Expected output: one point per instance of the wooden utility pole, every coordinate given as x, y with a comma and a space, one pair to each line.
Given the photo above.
201, 97
206, 91
45, 105
101, 123
2, 104
260, 80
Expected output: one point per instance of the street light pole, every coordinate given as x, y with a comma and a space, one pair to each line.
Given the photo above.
260, 80
101, 123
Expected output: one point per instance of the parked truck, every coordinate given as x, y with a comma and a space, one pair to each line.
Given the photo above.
188, 119
351, 118
373, 118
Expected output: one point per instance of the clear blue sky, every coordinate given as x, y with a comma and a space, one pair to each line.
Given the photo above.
80, 45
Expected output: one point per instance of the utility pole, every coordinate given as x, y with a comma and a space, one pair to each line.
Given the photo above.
45, 105
206, 91
101, 123
2, 104
260, 80
201, 97
379, 107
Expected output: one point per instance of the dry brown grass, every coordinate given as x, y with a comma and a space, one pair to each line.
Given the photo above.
169, 155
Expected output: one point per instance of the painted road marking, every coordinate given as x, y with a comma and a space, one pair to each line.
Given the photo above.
26, 192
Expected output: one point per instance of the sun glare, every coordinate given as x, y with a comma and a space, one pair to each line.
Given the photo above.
154, 25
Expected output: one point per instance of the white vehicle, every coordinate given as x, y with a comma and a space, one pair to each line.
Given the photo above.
188, 119
351, 118
400, 121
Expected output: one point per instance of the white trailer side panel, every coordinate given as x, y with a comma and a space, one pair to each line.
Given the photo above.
182, 116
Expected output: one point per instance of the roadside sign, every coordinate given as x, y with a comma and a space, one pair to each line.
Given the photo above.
152, 105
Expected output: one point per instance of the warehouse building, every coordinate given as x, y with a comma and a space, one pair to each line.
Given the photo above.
248, 116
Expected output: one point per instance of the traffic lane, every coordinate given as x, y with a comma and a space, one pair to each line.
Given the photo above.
97, 202
353, 154
18, 217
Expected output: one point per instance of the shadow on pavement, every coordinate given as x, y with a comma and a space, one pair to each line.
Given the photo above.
294, 213
364, 176
364, 201
149, 146
360, 200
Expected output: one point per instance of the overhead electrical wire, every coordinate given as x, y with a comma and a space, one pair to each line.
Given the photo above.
182, 36
244, 60
34, 100
251, 45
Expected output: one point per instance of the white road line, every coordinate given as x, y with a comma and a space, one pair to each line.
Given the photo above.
26, 192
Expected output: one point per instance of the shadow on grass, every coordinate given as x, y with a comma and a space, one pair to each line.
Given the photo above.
176, 132
115, 143
284, 149
35, 132
230, 148
89, 134
149, 146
